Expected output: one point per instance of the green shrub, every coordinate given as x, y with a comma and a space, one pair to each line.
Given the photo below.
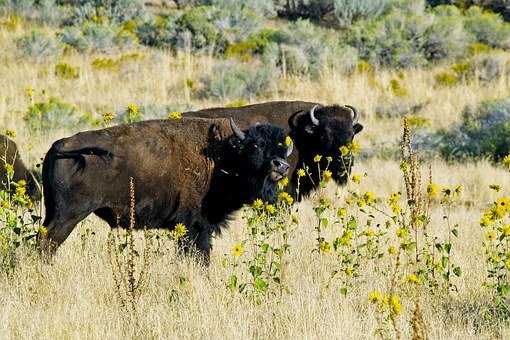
95, 37
231, 81
51, 114
112, 11
488, 28
483, 133
66, 71
38, 46
158, 31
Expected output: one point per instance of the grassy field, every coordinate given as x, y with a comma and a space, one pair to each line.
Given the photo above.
74, 296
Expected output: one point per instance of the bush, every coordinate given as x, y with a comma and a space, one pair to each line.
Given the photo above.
488, 28
483, 133
112, 11
159, 31
229, 81
51, 114
407, 40
66, 71
38, 46
96, 37
347, 12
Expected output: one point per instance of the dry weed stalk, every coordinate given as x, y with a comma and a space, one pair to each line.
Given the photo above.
410, 167
123, 255
419, 328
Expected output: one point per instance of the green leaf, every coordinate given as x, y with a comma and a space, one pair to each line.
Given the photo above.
455, 232
343, 291
457, 271
232, 282
324, 222
448, 247
260, 285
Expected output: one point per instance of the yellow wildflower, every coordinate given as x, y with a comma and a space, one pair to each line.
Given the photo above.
175, 115
179, 231
432, 190
344, 150
504, 203
487, 219
301, 172
447, 191
288, 141
43, 231
29, 92
341, 212
392, 250
412, 278
238, 250
346, 238
356, 178
506, 230
369, 197
458, 189
354, 147
490, 235
270, 209
283, 182
395, 305
325, 247
506, 161
401, 232
317, 158
257, 204
285, 197
369, 232
132, 109
326, 175
374, 297
10, 133
108, 117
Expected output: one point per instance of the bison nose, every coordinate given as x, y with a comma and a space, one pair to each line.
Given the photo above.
280, 166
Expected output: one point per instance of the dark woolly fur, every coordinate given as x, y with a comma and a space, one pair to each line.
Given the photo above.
336, 129
192, 171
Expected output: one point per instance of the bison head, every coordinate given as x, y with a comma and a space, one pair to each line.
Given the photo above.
260, 153
322, 131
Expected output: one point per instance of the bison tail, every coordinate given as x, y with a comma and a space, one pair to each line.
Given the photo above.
48, 171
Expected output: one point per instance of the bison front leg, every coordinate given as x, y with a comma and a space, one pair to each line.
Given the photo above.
58, 229
198, 242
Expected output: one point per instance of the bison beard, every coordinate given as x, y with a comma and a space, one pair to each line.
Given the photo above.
193, 171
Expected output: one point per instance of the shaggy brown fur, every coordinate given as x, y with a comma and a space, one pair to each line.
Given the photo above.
192, 171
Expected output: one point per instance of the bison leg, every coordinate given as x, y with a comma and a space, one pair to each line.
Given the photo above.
59, 229
198, 242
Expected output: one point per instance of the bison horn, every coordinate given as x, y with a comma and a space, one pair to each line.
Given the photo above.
354, 113
315, 121
237, 131
289, 150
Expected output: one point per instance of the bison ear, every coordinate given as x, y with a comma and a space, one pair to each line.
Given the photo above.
357, 128
301, 118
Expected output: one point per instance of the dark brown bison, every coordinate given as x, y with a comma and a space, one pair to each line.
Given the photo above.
315, 129
191, 171
9, 154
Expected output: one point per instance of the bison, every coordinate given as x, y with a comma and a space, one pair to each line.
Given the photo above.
9, 154
192, 171
315, 129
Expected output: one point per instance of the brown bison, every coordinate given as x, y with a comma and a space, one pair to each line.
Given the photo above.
191, 171
9, 154
315, 129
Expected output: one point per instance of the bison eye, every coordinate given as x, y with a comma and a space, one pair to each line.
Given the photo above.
255, 146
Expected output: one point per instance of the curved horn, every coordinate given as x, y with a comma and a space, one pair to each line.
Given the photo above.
315, 121
237, 131
355, 114
289, 150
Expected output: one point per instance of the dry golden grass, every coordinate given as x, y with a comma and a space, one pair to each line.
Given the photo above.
74, 297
